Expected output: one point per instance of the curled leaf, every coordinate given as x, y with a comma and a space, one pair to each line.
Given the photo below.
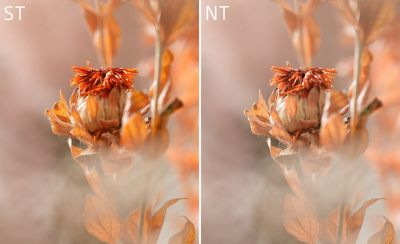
185, 236
156, 221
384, 236
356, 220
258, 117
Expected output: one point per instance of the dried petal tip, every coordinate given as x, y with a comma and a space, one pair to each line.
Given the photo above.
102, 81
301, 81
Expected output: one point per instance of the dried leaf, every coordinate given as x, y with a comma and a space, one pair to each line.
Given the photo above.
104, 28
333, 132
170, 16
293, 181
300, 220
134, 132
100, 220
385, 235
171, 108
356, 220
303, 28
94, 180
157, 220
133, 226
289, 15
137, 101
307, 39
374, 14
175, 14
369, 109
90, 15
185, 236
328, 232
335, 102
258, 117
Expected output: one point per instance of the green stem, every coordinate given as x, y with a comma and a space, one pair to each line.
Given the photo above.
358, 50
157, 76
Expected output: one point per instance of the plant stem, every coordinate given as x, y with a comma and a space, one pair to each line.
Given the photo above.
301, 55
358, 50
341, 221
102, 52
141, 223
157, 76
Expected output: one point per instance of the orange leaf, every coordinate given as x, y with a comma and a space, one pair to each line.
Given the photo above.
90, 15
133, 226
373, 16
384, 236
258, 117
100, 220
175, 15
157, 220
328, 233
186, 236
290, 16
300, 220
170, 16
356, 220
137, 101
134, 132
333, 132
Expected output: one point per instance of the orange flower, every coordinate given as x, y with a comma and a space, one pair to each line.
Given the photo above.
102, 81
300, 112
96, 116
301, 81
300, 96
109, 117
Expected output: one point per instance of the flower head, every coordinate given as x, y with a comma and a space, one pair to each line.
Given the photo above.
109, 118
300, 81
295, 111
300, 96
101, 81
96, 106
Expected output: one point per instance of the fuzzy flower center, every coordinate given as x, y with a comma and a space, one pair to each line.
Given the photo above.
101, 81
300, 81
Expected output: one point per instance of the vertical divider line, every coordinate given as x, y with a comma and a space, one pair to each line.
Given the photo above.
200, 116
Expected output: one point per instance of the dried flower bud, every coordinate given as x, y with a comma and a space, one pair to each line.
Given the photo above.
299, 113
102, 95
98, 112
300, 96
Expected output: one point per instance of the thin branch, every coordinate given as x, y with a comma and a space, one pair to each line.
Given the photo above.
157, 75
358, 50
102, 53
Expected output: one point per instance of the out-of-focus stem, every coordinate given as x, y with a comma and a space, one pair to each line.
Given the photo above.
102, 52
358, 49
157, 75
341, 221
141, 221
301, 56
